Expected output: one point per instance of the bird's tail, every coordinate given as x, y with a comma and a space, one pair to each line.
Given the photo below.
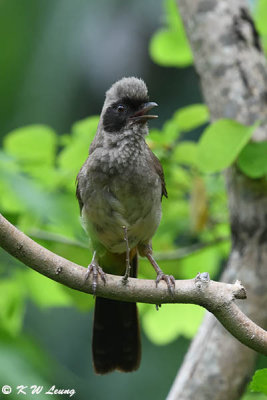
116, 335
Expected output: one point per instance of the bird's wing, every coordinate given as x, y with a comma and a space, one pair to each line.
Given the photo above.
159, 170
78, 192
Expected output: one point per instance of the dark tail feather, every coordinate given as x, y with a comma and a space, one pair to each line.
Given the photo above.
116, 335
116, 338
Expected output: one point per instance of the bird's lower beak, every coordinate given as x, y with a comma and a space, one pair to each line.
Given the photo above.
141, 115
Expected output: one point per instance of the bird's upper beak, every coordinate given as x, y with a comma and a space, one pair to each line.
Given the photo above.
141, 115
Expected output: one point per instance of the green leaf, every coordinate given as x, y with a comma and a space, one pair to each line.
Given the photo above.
86, 127
264, 44
156, 139
172, 320
170, 47
206, 260
259, 381
11, 306
253, 396
172, 14
24, 195
186, 153
253, 160
45, 292
260, 16
48, 176
192, 116
32, 144
82, 301
170, 131
75, 153
221, 143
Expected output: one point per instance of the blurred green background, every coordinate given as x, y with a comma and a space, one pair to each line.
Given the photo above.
57, 59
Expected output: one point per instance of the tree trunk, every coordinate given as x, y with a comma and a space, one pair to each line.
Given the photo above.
233, 75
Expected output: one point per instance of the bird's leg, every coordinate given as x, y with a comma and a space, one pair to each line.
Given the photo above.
146, 251
96, 270
128, 265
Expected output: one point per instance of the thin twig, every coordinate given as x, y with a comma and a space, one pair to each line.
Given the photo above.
184, 252
55, 237
176, 254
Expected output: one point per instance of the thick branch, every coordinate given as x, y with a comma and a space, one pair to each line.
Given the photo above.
217, 297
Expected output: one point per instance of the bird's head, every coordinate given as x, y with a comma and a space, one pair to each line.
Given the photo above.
127, 106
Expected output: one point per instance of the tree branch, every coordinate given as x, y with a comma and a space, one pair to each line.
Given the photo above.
216, 297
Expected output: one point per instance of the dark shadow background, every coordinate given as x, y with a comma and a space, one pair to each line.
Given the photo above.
58, 58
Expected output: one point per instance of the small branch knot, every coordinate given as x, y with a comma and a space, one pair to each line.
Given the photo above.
202, 278
58, 270
239, 291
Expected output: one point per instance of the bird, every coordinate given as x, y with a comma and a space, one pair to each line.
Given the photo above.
119, 189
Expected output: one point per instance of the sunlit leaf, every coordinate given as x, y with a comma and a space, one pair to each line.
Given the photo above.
29, 196
259, 381
156, 139
32, 144
49, 176
170, 130
83, 301
253, 160
221, 143
260, 16
75, 152
172, 320
170, 47
86, 127
253, 396
186, 153
172, 14
45, 292
192, 116
206, 260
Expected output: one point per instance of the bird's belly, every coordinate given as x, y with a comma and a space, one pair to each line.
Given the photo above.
105, 217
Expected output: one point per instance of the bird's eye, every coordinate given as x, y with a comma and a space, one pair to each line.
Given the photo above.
120, 108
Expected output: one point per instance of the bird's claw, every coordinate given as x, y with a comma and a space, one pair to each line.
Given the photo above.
125, 279
95, 269
169, 279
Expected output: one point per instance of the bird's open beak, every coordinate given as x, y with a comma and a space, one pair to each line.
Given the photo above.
141, 115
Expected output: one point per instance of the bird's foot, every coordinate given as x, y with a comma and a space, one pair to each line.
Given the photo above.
95, 269
125, 278
146, 250
128, 265
169, 279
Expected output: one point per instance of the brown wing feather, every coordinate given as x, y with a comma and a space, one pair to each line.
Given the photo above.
78, 194
159, 170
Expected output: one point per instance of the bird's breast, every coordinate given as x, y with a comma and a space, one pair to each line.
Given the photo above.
124, 193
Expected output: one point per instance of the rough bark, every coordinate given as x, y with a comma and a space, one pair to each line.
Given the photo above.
233, 74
